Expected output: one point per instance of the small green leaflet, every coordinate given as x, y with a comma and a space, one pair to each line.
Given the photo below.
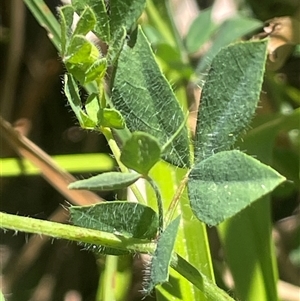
106, 181
159, 267
140, 152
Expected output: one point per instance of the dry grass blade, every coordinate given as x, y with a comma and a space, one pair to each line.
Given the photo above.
57, 177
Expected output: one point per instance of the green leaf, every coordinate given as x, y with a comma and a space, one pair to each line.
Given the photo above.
159, 268
200, 31
96, 71
116, 44
192, 232
102, 28
123, 16
81, 51
119, 217
66, 20
229, 97
1, 296
106, 181
144, 97
224, 184
72, 93
259, 255
111, 118
140, 152
92, 107
124, 13
231, 30
86, 22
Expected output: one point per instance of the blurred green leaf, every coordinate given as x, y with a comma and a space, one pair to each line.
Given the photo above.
200, 31
46, 19
229, 97
140, 152
145, 99
106, 181
1, 296
264, 131
159, 267
171, 61
230, 31
73, 163
224, 184
250, 255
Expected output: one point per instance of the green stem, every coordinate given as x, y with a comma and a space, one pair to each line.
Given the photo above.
210, 290
57, 230
159, 204
74, 233
160, 24
176, 198
108, 278
117, 154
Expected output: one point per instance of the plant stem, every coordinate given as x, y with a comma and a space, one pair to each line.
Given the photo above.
108, 278
164, 23
74, 233
117, 153
57, 230
159, 204
210, 290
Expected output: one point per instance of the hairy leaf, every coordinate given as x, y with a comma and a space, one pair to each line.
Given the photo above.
81, 51
72, 92
119, 217
102, 28
144, 97
106, 181
159, 268
229, 97
66, 21
96, 71
124, 13
140, 152
86, 22
224, 184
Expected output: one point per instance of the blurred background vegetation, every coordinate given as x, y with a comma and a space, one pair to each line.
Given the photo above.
31, 99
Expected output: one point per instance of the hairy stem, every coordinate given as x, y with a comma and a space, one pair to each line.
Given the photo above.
117, 153
57, 230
